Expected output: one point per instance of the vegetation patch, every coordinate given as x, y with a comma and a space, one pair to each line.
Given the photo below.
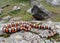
54, 10
24, 4
55, 37
5, 35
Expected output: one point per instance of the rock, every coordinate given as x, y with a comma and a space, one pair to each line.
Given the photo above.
39, 12
28, 35
58, 31
57, 26
49, 22
40, 41
48, 1
4, 6
53, 2
16, 8
56, 42
23, 41
15, 19
18, 37
35, 37
35, 30
44, 33
1, 32
22, 37
10, 40
35, 41
2, 40
39, 0
29, 10
6, 17
48, 41
35, 2
1, 10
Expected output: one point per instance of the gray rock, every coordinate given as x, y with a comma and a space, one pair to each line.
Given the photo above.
35, 2
48, 41
22, 37
58, 31
29, 10
4, 6
35, 30
1, 10
2, 40
27, 35
48, 1
35, 41
23, 41
57, 42
6, 17
1, 32
53, 2
15, 19
44, 33
39, 12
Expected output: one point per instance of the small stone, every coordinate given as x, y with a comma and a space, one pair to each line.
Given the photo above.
6, 17
29, 10
15, 19
16, 8
1, 10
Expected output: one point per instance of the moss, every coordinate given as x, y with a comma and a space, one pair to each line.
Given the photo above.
5, 35
56, 36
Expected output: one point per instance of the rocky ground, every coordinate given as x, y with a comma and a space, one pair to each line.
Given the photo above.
27, 37
22, 37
